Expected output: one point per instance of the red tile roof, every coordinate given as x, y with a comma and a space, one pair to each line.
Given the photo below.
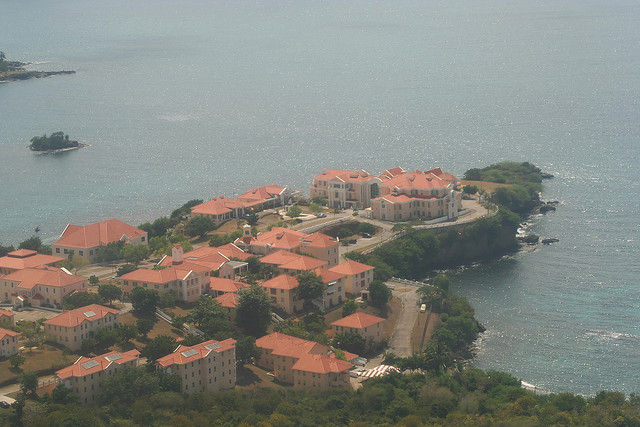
85, 366
165, 275
8, 333
286, 345
262, 194
280, 238
23, 258
321, 364
6, 313
328, 276
50, 276
225, 285
346, 175
88, 313
401, 198
350, 268
228, 300
218, 206
283, 281
319, 240
98, 234
358, 321
417, 180
390, 173
201, 351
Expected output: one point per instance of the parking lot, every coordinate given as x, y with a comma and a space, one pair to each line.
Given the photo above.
33, 315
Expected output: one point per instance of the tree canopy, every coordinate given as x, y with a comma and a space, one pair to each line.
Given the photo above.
57, 141
253, 313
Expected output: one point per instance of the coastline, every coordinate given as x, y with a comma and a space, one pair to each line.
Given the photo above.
60, 150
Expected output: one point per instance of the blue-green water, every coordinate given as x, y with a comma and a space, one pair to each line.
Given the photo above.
191, 99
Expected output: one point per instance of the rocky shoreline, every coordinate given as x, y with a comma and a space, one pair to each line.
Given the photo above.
60, 150
16, 71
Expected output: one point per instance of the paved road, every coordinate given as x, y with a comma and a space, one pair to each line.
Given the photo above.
400, 342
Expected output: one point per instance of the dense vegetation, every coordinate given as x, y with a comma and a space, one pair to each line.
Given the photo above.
57, 141
525, 179
468, 397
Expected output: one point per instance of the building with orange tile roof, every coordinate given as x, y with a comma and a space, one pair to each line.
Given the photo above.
7, 318
87, 240
40, 286
283, 292
229, 303
291, 358
221, 209
86, 375
71, 327
316, 371
367, 326
187, 279
358, 276
292, 263
208, 366
417, 194
220, 286
216, 259
345, 189
268, 196
8, 342
318, 245
24, 258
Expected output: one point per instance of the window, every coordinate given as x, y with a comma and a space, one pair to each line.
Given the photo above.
57, 250
81, 253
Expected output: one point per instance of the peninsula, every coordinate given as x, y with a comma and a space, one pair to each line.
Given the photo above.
56, 143
14, 70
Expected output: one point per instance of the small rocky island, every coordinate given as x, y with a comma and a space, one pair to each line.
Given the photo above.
14, 70
56, 143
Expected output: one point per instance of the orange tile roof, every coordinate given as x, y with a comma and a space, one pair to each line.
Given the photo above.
218, 206
85, 366
283, 281
169, 274
50, 276
350, 268
346, 175
279, 257
232, 251
228, 300
328, 276
319, 240
303, 263
417, 180
225, 285
321, 364
280, 237
401, 198
23, 258
358, 321
444, 175
286, 345
262, 194
390, 173
202, 350
88, 313
8, 333
98, 234
6, 313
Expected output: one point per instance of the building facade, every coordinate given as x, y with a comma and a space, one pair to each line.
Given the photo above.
71, 327
367, 326
40, 286
358, 276
208, 366
8, 342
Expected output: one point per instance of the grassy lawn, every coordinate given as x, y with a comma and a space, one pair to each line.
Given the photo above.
44, 361
159, 328
250, 377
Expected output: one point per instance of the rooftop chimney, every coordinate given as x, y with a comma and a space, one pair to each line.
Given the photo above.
177, 254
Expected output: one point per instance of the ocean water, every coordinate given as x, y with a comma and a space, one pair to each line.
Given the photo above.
191, 99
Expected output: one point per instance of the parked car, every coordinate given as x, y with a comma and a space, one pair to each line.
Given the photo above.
423, 308
366, 235
322, 215
4, 405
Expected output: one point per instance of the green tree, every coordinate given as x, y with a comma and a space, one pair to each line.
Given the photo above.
210, 317
94, 280
17, 360
310, 286
28, 383
217, 240
246, 349
253, 219
294, 212
470, 189
4, 250
63, 395
315, 208
33, 243
365, 227
135, 254
144, 301
111, 252
168, 299
351, 342
380, 294
127, 268
110, 292
144, 326
253, 312
350, 306
199, 226
80, 299
126, 332
158, 347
